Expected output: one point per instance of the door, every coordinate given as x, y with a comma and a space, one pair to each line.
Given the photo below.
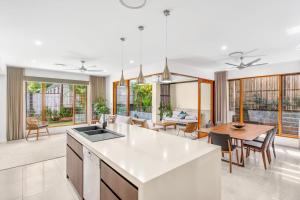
206, 100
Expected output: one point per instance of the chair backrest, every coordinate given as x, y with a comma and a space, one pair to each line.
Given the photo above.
272, 137
267, 140
222, 140
190, 127
32, 122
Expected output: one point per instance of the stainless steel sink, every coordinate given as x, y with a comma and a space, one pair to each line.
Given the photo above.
96, 133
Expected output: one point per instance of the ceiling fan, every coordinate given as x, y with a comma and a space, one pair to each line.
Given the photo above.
83, 68
241, 55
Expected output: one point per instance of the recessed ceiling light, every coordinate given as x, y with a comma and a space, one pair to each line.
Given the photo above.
298, 47
294, 30
131, 61
38, 43
224, 47
33, 61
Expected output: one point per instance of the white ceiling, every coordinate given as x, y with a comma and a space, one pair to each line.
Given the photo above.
90, 29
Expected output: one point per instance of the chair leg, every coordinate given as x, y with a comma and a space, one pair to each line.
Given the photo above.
28, 134
178, 132
230, 162
273, 147
222, 154
269, 156
264, 159
37, 134
237, 156
47, 131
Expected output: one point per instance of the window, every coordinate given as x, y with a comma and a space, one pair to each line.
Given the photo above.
260, 101
234, 99
55, 103
290, 104
122, 100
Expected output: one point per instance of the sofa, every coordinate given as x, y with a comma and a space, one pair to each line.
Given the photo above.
191, 116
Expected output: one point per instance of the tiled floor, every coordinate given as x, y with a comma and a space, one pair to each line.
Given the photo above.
46, 180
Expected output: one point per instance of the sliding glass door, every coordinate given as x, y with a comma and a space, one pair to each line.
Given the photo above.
291, 104
59, 104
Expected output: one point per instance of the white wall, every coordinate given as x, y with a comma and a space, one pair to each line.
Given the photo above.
184, 95
56, 74
271, 69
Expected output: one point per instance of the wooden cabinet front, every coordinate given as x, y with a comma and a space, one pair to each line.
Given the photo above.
118, 184
75, 170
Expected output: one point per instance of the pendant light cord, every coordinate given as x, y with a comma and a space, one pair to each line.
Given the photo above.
141, 46
166, 37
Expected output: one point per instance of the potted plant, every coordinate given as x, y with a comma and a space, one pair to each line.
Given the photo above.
101, 109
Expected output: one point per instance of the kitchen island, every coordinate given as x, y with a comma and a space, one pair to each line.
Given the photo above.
148, 165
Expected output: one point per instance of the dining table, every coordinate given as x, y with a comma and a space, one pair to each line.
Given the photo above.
248, 132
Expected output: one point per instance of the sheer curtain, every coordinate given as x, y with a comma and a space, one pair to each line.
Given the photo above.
221, 97
15, 121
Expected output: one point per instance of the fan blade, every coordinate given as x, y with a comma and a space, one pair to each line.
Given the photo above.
251, 51
92, 66
258, 64
60, 64
94, 70
254, 56
232, 64
252, 62
71, 69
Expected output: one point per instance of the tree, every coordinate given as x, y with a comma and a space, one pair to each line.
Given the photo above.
32, 88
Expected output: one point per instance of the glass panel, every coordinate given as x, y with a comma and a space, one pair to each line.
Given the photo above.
234, 100
290, 104
205, 104
261, 100
34, 99
122, 100
141, 100
80, 103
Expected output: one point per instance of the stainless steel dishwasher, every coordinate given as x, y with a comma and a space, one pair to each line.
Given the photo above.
91, 175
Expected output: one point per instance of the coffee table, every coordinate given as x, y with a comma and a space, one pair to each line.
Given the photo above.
165, 124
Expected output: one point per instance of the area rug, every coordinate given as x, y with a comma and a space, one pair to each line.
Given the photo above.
22, 152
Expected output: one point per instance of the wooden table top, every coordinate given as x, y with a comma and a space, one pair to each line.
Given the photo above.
248, 132
165, 123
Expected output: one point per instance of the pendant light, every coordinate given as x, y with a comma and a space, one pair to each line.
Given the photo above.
140, 79
166, 75
122, 80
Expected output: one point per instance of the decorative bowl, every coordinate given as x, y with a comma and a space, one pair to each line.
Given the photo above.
238, 125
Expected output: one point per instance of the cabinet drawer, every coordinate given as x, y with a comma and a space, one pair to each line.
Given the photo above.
76, 146
106, 193
75, 170
121, 186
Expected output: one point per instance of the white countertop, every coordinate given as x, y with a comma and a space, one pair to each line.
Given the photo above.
143, 154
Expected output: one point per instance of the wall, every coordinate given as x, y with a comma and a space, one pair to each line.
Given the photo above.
184, 95
271, 69
56, 74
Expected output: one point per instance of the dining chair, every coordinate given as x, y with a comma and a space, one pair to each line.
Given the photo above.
261, 147
33, 124
189, 128
271, 143
224, 140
